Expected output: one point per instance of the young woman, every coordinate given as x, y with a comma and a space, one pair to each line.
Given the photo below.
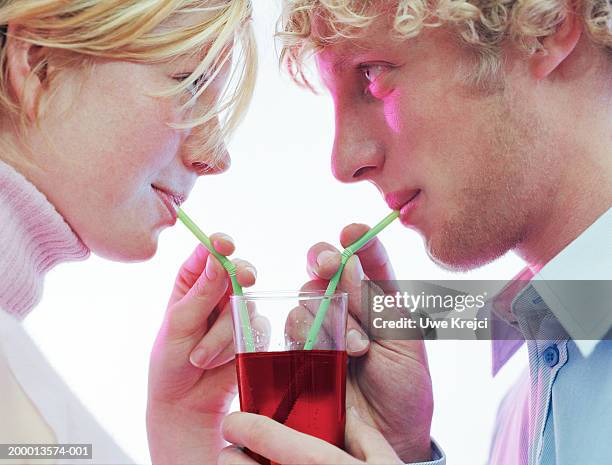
109, 112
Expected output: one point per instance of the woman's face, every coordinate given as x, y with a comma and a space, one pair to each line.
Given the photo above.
104, 150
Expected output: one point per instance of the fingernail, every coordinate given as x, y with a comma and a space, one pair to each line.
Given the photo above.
324, 257
356, 341
198, 357
251, 270
212, 268
223, 237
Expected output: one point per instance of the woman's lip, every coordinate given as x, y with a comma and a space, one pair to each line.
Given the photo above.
168, 202
177, 199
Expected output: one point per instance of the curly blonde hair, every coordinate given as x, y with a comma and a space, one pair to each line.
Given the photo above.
482, 25
147, 32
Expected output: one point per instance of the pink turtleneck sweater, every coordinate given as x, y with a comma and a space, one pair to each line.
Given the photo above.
33, 238
35, 403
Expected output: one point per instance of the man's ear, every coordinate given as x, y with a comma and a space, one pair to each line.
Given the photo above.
26, 69
556, 47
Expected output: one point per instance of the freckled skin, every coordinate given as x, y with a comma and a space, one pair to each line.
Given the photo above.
101, 143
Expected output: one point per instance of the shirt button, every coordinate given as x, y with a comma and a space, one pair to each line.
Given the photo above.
551, 355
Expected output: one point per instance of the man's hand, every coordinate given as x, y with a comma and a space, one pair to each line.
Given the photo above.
281, 444
388, 381
192, 375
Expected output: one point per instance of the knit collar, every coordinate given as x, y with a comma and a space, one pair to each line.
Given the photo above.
34, 237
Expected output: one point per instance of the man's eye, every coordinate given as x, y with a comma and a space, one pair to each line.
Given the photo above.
372, 72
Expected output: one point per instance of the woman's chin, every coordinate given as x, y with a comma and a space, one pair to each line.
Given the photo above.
128, 251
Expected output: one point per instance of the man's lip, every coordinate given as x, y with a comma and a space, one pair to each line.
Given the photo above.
397, 200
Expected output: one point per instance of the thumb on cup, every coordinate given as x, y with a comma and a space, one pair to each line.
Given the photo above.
357, 343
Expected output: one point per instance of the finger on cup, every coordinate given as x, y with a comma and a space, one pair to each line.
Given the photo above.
357, 341
299, 321
280, 443
217, 346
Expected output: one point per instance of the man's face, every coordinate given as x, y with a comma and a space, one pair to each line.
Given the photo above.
457, 163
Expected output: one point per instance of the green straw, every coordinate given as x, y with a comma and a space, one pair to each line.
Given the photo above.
231, 271
333, 283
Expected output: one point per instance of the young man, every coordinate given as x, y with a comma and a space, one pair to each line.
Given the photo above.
489, 126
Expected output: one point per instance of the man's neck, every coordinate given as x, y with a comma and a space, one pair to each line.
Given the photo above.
564, 221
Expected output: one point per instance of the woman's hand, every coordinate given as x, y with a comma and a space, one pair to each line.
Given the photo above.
192, 376
281, 444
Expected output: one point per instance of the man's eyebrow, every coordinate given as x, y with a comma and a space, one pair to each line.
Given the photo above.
341, 63
354, 54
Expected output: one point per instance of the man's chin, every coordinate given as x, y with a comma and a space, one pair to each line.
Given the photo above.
458, 258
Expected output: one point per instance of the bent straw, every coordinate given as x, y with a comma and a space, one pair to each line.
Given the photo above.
231, 271
333, 283
284, 408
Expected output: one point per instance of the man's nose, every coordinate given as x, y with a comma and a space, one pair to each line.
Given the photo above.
357, 154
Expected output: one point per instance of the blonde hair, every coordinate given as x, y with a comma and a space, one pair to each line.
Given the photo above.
144, 31
482, 25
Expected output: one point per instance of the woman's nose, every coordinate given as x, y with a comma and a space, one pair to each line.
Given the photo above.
205, 153
215, 163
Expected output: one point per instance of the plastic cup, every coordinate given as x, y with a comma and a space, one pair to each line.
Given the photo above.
303, 389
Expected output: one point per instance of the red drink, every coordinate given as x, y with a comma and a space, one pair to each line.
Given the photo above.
304, 389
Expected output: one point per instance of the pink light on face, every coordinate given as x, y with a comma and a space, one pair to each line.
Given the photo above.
391, 110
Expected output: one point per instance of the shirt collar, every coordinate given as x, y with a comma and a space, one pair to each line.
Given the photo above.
581, 308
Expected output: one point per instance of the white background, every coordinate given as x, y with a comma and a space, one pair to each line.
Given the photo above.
98, 319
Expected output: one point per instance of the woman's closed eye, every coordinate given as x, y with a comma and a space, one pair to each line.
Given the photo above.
195, 86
